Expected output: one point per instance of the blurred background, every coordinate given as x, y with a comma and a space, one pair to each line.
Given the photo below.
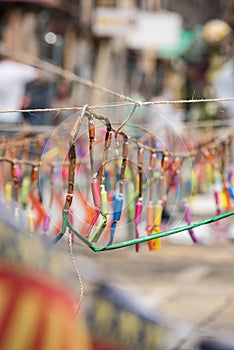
181, 297
145, 48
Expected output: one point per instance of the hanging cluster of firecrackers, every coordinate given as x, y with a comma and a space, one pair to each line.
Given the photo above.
110, 187
129, 188
21, 185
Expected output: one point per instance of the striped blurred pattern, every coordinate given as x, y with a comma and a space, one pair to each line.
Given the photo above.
36, 307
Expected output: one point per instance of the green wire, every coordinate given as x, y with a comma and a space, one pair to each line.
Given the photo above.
82, 238
64, 226
165, 233
66, 223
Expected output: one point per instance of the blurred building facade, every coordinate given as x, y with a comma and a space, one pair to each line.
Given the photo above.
63, 32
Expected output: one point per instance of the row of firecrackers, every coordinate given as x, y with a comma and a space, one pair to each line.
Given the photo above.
116, 180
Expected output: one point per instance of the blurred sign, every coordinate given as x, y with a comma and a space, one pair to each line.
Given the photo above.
155, 30
139, 29
113, 22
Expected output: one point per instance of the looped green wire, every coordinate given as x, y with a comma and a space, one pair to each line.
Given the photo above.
143, 239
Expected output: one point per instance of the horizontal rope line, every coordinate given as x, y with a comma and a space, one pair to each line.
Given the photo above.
49, 67
111, 105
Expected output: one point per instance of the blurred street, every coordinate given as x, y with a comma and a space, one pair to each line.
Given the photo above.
191, 286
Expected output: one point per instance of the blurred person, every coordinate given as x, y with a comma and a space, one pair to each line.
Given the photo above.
13, 79
63, 93
224, 86
63, 98
219, 35
38, 95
